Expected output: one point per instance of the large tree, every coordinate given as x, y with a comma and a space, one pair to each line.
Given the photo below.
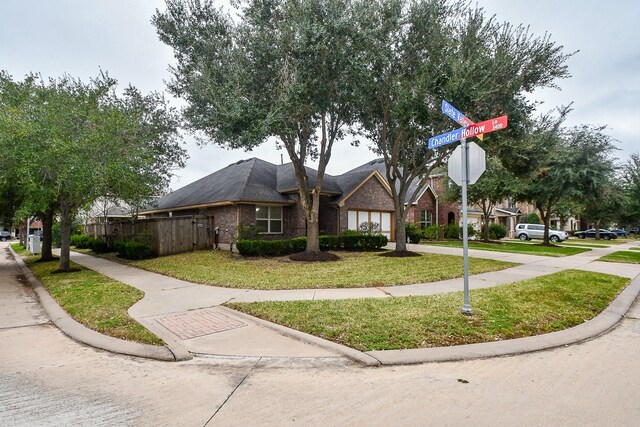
630, 178
420, 53
283, 70
71, 142
571, 164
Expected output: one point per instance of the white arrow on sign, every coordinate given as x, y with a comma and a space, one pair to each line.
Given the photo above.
476, 160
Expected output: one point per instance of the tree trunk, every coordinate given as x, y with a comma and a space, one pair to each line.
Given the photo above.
313, 226
401, 234
545, 219
65, 236
485, 227
47, 235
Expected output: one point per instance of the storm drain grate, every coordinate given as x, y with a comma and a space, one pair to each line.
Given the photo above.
195, 324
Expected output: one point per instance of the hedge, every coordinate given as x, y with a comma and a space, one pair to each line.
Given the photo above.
129, 249
349, 240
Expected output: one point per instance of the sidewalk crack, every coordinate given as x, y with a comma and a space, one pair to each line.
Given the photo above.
232, 392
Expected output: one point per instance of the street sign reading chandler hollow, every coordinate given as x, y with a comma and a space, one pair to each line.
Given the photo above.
487, 126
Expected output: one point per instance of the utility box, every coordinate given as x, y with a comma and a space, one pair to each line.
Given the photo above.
34, 244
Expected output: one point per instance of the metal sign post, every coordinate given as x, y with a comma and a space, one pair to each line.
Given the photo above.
466, 308
468, 171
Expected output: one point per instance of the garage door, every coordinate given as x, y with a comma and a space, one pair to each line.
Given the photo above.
380, 221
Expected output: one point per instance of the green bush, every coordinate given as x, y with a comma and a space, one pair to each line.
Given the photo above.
248, 232
412, 232
431, 233
81, 241
264, 247
330, 243
497, 231
99, 246
452, 231
299, 244
349, 240
129, 249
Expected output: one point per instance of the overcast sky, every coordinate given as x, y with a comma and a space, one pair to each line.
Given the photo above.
80, 37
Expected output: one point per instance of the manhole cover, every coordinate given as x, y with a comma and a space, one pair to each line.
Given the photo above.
198, 323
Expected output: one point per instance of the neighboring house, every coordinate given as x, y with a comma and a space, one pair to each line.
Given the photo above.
259, 193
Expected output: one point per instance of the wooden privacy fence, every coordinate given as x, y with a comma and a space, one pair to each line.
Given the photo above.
164, 235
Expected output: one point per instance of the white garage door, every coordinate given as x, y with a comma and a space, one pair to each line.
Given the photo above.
381, 221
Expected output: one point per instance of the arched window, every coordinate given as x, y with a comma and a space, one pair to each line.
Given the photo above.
451, 218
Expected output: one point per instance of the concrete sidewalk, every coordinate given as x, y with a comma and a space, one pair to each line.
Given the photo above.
188, 316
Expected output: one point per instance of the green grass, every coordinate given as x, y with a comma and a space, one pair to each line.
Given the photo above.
627, 257
18, 249
96, 301
354, 269
531, 307
635, 249
516, 247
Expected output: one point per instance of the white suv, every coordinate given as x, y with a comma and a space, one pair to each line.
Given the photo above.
536, 231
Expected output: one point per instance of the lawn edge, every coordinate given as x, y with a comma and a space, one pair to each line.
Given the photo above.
78, 332
599, 325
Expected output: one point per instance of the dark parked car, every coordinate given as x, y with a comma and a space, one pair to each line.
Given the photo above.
5, 235
591, 233
619, 232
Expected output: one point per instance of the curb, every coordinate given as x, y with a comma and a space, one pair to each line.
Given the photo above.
599, 325
348, 352
81, 333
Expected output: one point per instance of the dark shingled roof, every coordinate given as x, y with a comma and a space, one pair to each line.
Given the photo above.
255, 180
246, 180
287, 182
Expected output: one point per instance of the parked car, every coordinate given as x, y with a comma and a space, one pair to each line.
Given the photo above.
619, 232
5, 235
536, 231
591, 233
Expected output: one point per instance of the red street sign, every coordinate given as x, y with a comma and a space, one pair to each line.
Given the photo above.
485, 127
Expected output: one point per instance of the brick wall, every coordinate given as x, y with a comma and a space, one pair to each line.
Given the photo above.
372, 196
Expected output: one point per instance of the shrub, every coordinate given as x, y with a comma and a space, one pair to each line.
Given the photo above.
264, 247
129, 249
299, 244
412, 232
431, 233
99, 246
349, 240
248, 232
80, 241
497, 231
330, 243
452, 231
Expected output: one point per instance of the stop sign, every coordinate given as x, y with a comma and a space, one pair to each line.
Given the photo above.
475, 158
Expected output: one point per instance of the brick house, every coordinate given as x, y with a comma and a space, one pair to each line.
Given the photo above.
259, 193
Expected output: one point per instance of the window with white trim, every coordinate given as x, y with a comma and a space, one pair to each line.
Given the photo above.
426, 219
269, 219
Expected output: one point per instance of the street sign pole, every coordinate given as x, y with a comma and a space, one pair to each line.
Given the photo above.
466, 308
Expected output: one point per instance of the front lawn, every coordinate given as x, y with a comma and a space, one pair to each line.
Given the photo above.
96, 301
354, 269
627, 257
531, 307
514, 247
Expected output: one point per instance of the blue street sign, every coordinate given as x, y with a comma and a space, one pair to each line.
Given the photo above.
445, 138
456, 115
